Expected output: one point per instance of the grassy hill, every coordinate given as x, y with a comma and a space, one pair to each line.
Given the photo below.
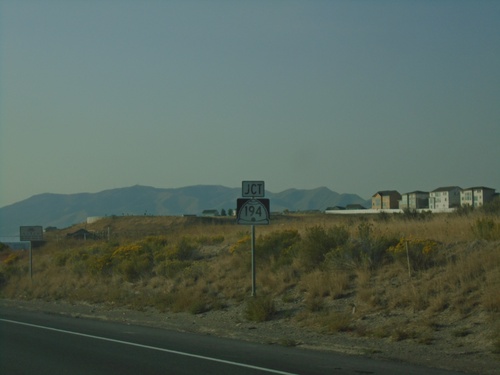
414, 278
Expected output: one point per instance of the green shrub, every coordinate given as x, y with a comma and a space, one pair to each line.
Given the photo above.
318, 242
363, 251
132, 261
100, 264
183, 250
277, 244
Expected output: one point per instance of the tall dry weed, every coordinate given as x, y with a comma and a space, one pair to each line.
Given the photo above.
320, 284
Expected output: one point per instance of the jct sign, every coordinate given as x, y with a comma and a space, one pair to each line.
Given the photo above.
252, 189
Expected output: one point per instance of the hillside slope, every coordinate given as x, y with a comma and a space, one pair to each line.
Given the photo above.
62, 210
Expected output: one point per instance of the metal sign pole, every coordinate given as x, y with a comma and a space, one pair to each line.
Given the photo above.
31, 263
253, 259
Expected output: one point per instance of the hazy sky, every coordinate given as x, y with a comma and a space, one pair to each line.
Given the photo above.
357, 96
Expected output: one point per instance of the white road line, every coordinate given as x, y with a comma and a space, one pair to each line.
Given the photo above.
151, 347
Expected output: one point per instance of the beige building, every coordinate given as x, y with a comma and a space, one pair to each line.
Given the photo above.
386, 199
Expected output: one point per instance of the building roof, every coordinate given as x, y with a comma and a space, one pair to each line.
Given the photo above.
386, 192
447, 188
80, 233
416, 192
479, 187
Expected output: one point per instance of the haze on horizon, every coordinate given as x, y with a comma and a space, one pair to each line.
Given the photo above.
357, 96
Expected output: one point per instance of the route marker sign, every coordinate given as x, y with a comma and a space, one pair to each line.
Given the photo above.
252, 211
252, 189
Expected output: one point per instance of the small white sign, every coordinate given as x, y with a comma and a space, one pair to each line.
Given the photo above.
252, 189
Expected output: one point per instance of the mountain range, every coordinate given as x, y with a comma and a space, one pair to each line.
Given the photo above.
63, 210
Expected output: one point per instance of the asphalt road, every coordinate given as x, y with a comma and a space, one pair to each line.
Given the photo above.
39, 343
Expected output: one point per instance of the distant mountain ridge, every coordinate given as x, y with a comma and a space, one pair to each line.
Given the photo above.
63, 210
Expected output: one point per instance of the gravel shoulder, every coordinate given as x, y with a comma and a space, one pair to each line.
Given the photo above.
446, 351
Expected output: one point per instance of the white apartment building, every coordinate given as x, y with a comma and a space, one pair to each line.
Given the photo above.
444, 198
476, 196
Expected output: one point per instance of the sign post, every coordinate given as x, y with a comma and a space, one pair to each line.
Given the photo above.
31, 233
252, 211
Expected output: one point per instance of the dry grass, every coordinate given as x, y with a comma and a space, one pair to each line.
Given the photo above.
317, 285
197, 265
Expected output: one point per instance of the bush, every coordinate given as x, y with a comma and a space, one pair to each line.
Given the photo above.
260, 309
277, 244
61, 258
100, 264
156, 242
486, 229
337, 322
320, 284
183, 250
413, 214
318, 242
243, 244
132, 261
171, 267
465, 210
364, 251
421, 253
11, 259
187, 301
492, 208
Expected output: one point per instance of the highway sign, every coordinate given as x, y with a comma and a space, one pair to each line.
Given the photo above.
252, 211
252, 189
